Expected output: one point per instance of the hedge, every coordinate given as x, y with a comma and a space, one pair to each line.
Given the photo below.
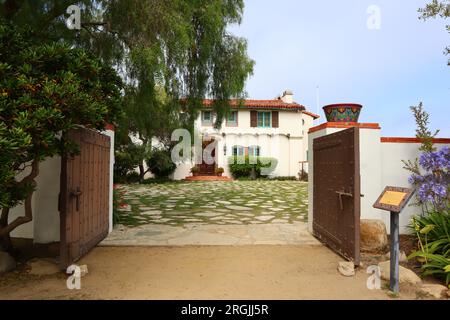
250, 166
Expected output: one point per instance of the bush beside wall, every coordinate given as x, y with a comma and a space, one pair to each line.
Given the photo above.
251, 167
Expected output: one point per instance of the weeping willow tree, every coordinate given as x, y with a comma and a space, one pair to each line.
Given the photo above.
165, 50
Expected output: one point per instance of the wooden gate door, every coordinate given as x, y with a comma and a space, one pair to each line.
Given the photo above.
337, 192
84, 202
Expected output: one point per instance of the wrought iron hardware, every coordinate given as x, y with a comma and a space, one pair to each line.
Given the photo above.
77, 194
343, 194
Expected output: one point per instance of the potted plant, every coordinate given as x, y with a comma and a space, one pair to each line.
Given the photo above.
219, 171
195, 171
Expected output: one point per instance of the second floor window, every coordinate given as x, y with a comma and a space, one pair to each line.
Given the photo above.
206, 117
232, 118
264, 119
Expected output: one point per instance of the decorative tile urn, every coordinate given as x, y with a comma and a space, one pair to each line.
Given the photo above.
342, 112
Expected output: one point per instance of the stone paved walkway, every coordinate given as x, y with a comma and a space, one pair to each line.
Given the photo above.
161, 235
212, 213
216, 202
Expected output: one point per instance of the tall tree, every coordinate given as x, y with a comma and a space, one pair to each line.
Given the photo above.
437, 9
180, 48
46, 89
165, 50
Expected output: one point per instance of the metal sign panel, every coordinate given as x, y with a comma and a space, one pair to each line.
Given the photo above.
393, 199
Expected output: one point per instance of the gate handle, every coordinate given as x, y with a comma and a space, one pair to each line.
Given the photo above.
343, 194
77, 195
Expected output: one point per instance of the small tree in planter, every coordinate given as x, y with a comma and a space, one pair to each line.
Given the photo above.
195, 170
219, 171
46, 89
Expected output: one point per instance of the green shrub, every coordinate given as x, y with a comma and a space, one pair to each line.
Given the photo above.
288, 178
433, 233
160, 163
254, 167
127, 159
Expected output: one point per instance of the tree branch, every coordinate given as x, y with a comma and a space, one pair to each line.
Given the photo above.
20, 220
6, 230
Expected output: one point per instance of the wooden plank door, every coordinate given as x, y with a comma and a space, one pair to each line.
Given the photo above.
336, 218
84, 199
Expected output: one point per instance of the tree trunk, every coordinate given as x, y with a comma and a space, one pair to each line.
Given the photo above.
5, 241
5, 227
142, 172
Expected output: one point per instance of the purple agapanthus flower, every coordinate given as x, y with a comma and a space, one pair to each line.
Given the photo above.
434, 185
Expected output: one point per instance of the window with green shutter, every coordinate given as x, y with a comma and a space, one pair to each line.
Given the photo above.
265, 119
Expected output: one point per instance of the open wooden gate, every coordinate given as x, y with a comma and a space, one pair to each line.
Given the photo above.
337, 192
84, 198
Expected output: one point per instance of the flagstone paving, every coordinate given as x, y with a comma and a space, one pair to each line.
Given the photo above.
212, 213
215, 202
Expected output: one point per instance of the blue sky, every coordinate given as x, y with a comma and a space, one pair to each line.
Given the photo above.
299, 44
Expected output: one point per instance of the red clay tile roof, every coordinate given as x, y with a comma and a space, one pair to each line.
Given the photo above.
261, 104
315, 116
266, 104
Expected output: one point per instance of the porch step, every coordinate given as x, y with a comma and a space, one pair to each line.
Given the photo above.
207, 178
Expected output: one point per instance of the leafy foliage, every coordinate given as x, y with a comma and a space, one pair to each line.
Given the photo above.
46, 89
127, 158
433, 233
247, 166
160, 163
166, 50
437, 9
433, 184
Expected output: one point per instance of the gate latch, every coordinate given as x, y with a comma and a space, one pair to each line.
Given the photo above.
343, 194
77, 194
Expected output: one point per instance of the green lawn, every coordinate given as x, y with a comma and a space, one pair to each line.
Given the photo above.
216, 202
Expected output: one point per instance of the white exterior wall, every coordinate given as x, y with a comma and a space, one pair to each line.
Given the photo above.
381, 166
45, 228
393, 174
287, 143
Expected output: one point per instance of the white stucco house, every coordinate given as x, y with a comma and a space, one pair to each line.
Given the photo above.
275, 128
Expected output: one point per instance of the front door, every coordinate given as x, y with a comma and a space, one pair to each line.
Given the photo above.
208, 163
337, 192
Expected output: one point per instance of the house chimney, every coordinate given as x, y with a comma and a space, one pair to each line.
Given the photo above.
288, 97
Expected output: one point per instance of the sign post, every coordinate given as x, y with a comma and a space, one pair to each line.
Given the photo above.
394, 199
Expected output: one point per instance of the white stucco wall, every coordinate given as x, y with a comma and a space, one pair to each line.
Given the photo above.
381, 166
287, 143
393, 173
45, 226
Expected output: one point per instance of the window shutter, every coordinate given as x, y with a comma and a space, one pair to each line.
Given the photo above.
275, 122
253, 119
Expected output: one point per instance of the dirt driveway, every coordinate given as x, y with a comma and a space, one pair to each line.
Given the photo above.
224, 272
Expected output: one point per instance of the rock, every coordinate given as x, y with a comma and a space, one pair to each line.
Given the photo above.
432, 290
406, 276
346, 268
7, 263
401, 258
448, 294
373, 235
40, 267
